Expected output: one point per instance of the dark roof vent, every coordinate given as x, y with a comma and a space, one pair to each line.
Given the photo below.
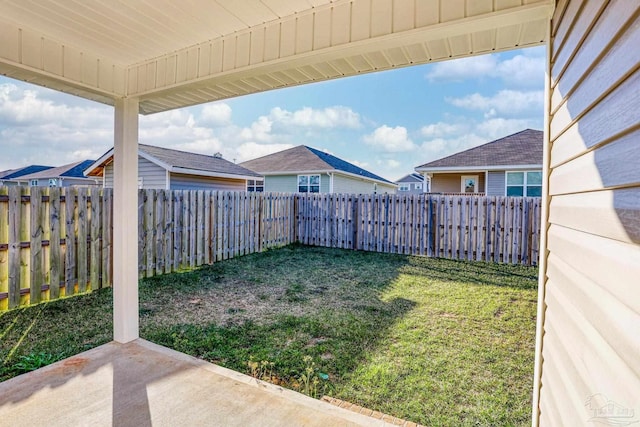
218, 155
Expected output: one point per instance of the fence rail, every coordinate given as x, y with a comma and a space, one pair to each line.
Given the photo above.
58, 241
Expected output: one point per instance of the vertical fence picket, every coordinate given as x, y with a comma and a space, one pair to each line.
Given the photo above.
96, 232
35, 247
55, 250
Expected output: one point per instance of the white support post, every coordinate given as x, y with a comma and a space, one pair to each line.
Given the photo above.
125, 221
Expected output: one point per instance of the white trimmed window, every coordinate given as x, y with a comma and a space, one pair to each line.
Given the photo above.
33, 182
418, 185
524, 184
403, 187
308, 183
53, 182
256, 186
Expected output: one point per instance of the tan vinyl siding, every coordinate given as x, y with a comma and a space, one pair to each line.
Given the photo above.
153, 176
195, 182
347, 185
590, 345
450, 182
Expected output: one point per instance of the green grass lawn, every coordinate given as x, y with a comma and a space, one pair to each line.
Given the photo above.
438, 342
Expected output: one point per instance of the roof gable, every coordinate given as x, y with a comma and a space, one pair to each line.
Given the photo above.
303, 158
71, 170
194, 161
178, 161
521, 148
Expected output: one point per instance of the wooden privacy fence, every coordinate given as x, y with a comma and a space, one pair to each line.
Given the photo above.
500, 229
58, 241
53, 242
186, 229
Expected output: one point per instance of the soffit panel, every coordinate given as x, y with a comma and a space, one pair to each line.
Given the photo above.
175, 56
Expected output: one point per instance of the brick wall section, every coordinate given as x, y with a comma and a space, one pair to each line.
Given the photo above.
370, 413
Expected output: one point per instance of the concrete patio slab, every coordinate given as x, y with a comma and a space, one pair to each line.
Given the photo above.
143, 384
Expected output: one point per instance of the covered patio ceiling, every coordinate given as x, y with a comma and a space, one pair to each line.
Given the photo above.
171, 54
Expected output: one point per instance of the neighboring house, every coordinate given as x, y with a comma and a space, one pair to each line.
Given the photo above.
62, 176
509, 166
9, 177
164, 168
411, 184
304, 169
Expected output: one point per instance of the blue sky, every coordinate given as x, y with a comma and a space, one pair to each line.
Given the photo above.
387, 122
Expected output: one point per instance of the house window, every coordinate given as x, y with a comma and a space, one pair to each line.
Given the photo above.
308, 183
255, 185
53, 182
403, 187
418, 185
469, 184
527, 184
34, 182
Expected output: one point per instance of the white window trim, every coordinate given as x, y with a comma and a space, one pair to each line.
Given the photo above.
404, 187
463, 178
256, 183
524, 182
33, 182
309, 182
418, 186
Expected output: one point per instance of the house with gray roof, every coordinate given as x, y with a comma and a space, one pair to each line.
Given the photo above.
69, 175
410, 184
168, 169
509, 166
10, 176
304, 169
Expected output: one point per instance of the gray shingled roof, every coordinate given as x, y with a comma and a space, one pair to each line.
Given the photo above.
183, 160
412, 177
522, 148
71, 170
202, 162
303, 158
16, 173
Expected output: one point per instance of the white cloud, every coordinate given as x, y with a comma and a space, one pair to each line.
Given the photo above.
440, 129
442, 147
260, 130
464, 68
475, 133
526, 69
391, 140
330, 117
252, 150
42, 130
499, 127
216, 114
509, 102
522, 70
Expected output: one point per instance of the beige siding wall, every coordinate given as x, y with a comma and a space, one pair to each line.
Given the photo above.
153, 176
347, 185
591, 333
450, 182
193, 182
